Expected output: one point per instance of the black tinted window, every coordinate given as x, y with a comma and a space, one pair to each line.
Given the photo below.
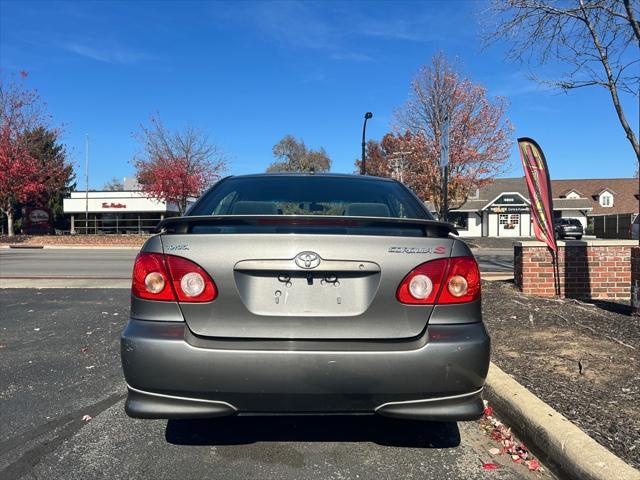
310, 195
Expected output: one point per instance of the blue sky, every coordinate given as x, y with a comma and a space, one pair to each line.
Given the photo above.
248, 73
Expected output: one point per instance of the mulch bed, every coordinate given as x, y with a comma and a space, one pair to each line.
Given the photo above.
581, 358
71, 240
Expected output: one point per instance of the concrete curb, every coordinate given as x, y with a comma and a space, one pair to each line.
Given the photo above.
562, 445
495, 276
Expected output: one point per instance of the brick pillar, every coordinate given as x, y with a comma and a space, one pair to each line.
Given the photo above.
635, 280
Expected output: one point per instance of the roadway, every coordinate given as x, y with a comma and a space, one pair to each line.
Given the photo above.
116, 264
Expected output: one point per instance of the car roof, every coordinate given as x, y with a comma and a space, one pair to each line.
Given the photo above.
319, 175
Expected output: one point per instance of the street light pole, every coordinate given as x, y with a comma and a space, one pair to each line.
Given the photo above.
444, 165
363, 166
86, 184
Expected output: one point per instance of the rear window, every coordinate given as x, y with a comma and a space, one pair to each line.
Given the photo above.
310, 195
570, 221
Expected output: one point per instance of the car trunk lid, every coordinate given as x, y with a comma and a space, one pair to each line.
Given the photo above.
299, 282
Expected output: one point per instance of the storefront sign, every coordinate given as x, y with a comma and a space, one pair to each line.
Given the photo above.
510, 199
508, 209
37, 221
113, 205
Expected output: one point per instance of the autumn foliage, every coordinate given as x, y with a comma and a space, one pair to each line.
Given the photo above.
479, 136
176, 165
25, 177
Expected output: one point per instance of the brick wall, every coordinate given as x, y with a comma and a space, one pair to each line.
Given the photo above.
635, 280
588, 269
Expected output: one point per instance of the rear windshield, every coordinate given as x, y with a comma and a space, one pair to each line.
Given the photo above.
571, 221
310, 195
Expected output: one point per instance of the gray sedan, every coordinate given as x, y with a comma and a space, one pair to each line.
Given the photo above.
305, 293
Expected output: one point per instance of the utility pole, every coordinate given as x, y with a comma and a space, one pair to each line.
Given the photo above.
398, 168
444, 165
86, 184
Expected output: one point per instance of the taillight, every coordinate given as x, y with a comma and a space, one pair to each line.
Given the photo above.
412, 289
150, 278
442, 281
463, 281
190, 282
171, 278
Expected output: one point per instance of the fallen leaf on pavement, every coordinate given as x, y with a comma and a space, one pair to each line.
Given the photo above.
84, 349
36, 329
87, 418
494, 451
490, 466
533, 464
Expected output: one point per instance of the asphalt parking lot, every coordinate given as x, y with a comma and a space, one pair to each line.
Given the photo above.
60, 351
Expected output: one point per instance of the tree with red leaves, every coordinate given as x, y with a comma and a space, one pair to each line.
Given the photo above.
479, 136
25, 177
176, 165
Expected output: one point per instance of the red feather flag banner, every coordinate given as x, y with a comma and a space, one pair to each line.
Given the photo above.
536, 172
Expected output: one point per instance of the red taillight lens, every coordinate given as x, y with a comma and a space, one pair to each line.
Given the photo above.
410, 293
190, 282
447, 280
463, 281
150, 278
170, 278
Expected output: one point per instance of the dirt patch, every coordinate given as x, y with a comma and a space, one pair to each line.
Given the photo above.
74, 240
581, 358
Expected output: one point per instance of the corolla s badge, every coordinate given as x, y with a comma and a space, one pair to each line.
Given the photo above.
307, 260
438, 250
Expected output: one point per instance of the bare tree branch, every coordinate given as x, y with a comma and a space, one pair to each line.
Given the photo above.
598, 38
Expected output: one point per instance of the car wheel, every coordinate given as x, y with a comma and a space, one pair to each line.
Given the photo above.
578, 237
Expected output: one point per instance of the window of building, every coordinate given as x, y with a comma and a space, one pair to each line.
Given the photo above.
606, 199
503, 219
514, 219
459, 219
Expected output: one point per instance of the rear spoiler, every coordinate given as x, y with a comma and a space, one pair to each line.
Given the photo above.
430, 228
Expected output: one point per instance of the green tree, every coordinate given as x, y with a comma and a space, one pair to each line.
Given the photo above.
294, 156
43, 145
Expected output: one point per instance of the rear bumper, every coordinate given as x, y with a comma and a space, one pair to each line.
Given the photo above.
439, 378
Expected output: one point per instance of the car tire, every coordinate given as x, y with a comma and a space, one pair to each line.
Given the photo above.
578, 237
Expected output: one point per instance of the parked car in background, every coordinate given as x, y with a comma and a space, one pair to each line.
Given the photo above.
306, 293
569, 227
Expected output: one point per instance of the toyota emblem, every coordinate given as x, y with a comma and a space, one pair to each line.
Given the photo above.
307, 260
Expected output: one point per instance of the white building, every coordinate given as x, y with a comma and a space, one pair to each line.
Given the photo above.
127, 211
502, 209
